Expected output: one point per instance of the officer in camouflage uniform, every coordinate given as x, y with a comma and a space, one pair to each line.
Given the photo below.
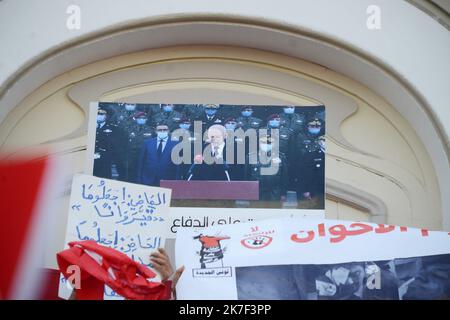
247, 121
241, 148
138, 132
309, 167
272, 187
292, 120
109, 143
186, 126
168, 115
124, 114
193, 111
285, 134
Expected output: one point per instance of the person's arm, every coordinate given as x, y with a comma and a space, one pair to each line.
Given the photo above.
161, 263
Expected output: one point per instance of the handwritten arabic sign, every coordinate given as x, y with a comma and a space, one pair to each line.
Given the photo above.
133, 219
297, 258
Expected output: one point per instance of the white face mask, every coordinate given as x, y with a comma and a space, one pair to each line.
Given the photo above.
163, 135
141, 121
101, 118
289, 110
130, 107
265, 147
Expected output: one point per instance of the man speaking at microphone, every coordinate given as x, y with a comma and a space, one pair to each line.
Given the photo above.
213, 164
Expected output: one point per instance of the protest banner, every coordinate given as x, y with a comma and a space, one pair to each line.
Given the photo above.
133, 219
295, 258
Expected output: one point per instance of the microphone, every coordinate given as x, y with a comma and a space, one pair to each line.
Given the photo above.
190, 171
226, 170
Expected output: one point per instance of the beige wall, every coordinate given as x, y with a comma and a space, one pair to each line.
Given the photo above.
377, 169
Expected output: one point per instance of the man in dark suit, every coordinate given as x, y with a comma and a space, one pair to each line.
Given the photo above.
155, 162
214, 164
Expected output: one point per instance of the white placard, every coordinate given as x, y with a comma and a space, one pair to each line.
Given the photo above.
131, 218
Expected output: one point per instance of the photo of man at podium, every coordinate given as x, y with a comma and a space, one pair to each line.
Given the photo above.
213, 165
220, 155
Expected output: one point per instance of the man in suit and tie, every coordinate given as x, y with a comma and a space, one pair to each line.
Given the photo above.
214, 164
155, 162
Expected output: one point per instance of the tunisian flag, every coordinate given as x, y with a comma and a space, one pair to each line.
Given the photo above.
100, 265
28, 185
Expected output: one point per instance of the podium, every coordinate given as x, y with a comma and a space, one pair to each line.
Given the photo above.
212, 190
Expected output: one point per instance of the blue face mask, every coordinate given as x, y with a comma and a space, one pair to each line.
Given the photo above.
265, 147
168, 108
274, 123
230, 126
184, 126
314, 130
246, 113
289, 110
210, 112
141, 121
162, 134
101, 118
130, 107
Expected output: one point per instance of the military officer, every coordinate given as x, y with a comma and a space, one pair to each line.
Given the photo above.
109, 143
124, 114
193, 111
262, 166
285, 133
309, 164
292, 120
247, 121
168, 116
210, 116
194, 137
138, 132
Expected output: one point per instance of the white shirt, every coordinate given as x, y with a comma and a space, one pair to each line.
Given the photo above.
219, 152
164, 141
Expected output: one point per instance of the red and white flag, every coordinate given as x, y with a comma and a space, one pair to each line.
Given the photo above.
27, 187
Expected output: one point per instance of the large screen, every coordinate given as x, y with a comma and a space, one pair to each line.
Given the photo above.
215, 155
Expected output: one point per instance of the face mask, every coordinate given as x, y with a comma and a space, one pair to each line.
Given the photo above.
265, 147
141, 121
184, 126
130, 107
289, 110
247, 113
313, 130
274, 123
168, 108
210, 112
101, 118
230, 126
162, 134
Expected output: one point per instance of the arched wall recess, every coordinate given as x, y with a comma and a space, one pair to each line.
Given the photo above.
403, 180
390, 71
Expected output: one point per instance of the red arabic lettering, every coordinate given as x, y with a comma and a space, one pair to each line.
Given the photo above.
384, 229
342, 232
310, 236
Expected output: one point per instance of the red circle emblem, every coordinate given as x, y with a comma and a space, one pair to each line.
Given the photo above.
256, 242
